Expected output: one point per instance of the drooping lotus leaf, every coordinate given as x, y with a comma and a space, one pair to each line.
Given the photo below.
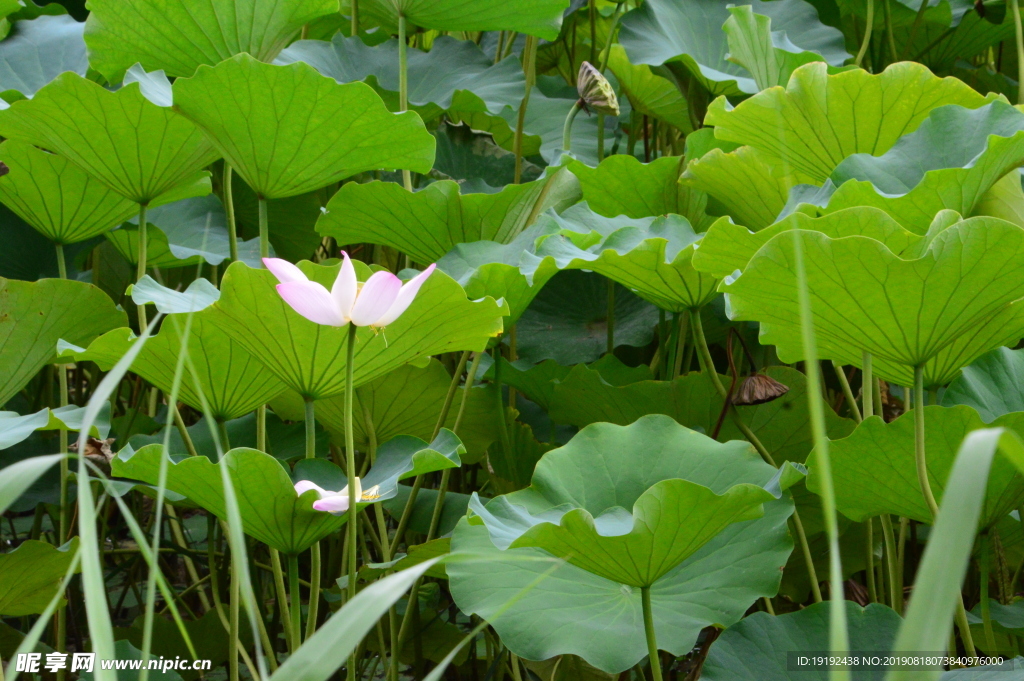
649, 93
728, 247
453, 74
689, 34
39, 51
233, 381
973, 32
622, 185
35, 315
578, 612
178, 38
875, 473
199, 295
146, 153
541, 18
652, 257
287, 130
15, 428
991, 385
756, 646
473, 159
942, 310
820, 119
923, 173
56, 197
408, 401
32, 574
310, 359
427, 224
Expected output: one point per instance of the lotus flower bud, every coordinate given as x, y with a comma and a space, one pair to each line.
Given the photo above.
596, 92
758, 389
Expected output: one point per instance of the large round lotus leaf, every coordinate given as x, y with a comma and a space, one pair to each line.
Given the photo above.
820, 119
541, 18
941, 310
40, 50
56, 197
874, 468
577, 612
147, 153
32, 574
429, 223
232, 380
35, 315
178, 37
758, 647
288, 130
993, 385
310, 358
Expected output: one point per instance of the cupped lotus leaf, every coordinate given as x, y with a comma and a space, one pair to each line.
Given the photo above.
287, 130
752, 647
310, 358
56, 197
408, 401
652, 258
454, 73
923, 174
146, 153
875, 472
427, 224
728, 247
572, 611
39, 51
178, 37
35, 315
818, 119
649, 93
542, 18
992, 385
941, 311
622, 185
32, 576
689, 33
232, 380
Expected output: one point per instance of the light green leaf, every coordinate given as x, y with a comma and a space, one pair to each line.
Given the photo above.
875, 474
991, 385
942, 310
18, 477
15, 428
38, 51
427, 224
309, 358
820, 119
35, 315
178, 38
287, 130
32, 575
648, 92
145, 152
541, 18
199, 295
752, 45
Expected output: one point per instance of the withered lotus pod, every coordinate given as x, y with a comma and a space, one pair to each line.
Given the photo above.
596, 92
758, 389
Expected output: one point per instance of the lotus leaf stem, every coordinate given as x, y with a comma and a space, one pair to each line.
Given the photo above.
530, 69
314, 589
141, 256
233, 645
920, 458
870, 551
1019, 34
261, 428
652, 642
229, 211
847, 391
984, 560
310, 421
866, 392
567, 129
354, 29
867, 33
264, 229
888, 30
895, 582
403, 84
294, 602
805, 547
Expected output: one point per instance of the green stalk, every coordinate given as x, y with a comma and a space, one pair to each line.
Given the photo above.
183, 431
805, 548
314, 589
264, 229
919, 442
229, 212
140, 268
282, 595
530, 69
403, 84
867, 33
847, 391
611, 316
986, 608
62, 377
866, 392
350, 470
310, 421
355, 18
600, 137
1019, 33
839, 640
652, 642
888, 31
261, 428
914, 28
62, 268
895, 581
295, 602
233, 643
567, 129
872, 587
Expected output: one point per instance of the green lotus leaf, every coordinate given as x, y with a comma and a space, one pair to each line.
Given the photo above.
875, 472
287, 130
820, 119
454, 73
310, 359
232, 380
942, 310
622, 185
568, 320
648, 92
178, 38
573, 611
182, 234
39, 51
35, 315
427, 224
923, 174
991, 384
973, 33
728, 247
56, 197
650, 257
15, 428
32, 575
541, 18
536, 381
689, 34
756, 646
408, 401
476, 162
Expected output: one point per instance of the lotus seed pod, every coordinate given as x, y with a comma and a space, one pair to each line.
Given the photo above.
758, 389
595, 91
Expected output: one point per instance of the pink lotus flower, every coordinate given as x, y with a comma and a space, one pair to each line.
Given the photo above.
336, 502
376, 303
